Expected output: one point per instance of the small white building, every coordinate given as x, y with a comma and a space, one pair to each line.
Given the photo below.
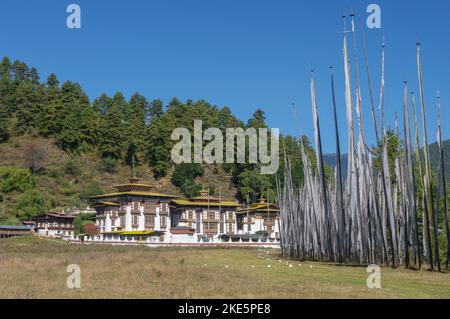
55, 225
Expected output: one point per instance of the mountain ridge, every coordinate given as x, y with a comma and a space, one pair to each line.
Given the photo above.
330, 159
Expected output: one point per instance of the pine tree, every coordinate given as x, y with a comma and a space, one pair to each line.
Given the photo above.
3, 123
137, 125
102, 104
28, 104
5, 93
5, 69
52, 82
34, 76
156, 109
20, 71
52, 115
90, 127
74, 102
112, 131
258, 120
158, 146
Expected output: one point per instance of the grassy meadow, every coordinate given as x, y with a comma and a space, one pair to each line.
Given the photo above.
36, 268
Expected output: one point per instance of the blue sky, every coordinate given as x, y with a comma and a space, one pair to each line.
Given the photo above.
245, 54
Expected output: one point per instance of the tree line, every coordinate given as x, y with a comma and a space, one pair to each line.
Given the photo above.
131, 131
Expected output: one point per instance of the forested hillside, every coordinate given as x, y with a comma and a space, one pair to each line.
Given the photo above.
435, 158
58, 147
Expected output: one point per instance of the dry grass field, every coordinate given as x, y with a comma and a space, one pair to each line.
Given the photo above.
36, 268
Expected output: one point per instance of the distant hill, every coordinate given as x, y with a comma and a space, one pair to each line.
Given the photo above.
434, 157
330, 159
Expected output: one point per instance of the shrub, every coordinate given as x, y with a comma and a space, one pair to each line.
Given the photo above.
32, 203
4, 136
66, 188
262, 233
109, 164
92, 189
35, 156
54, 172
90, 229
72, 167
190, 189
15, 179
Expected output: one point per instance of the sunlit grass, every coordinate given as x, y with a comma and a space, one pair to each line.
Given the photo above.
36, 268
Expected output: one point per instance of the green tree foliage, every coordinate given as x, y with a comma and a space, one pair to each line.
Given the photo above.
4, 135
434, 157
113, 127
258, 120
253, 185
74, 103
82, 220
109, 164
137, 123
156, 109
5, 69
5, 96
52, 115
73, 167
136, 129
158, 147
15, 179
92, 189
32, 203
20, 71
247, 179
392, 141
90, 126
183, 177
290, 146
133, 131
34, 76
29, 99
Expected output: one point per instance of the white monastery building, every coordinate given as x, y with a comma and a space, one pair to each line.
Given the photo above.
135, 213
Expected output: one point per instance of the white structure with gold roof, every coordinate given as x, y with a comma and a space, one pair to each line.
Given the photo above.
136, 215
133, 208
259, 217
204, 215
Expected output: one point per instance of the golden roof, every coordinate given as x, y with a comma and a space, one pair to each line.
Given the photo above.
99, 204
259, 207
133, 184
189, 202
133, 188
205, 198
144, 194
